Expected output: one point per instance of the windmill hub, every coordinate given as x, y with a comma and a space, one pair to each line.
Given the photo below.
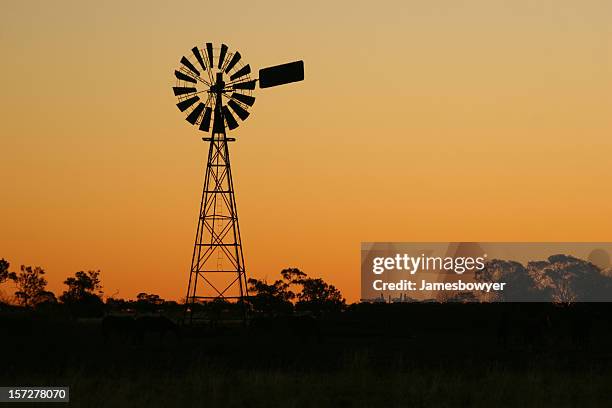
219, 85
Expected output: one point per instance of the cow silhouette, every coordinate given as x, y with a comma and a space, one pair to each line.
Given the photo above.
118, 327
303, 327
138, 330
156, 325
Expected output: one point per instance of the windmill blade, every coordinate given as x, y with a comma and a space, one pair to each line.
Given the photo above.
187, 103
240, 111
233, 61
281, 74
209, 51
222, 55
189, 66
184, 77
241, 72
182, 90
196, 52
245, 85
205, 124
231, 122
246, 99
195, 114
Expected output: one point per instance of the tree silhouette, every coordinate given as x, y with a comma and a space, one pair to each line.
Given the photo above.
149, 298
82, 286
319, 296
271, 298
520, 285
83, 295
293, 275
568, 279
30, 284
148, 301
4, 270
314, 294
46, 297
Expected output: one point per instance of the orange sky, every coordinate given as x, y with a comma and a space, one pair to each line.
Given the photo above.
482, 120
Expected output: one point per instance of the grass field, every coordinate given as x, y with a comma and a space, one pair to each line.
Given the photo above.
368, 362
354, 385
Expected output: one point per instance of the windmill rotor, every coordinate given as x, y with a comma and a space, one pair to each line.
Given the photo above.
214, 86
210, 87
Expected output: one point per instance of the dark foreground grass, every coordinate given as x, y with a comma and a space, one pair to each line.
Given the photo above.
409, 359
356, 384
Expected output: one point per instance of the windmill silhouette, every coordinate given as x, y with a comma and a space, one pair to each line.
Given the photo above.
211, 83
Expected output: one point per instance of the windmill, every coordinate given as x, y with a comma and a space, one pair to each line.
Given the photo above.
213, 84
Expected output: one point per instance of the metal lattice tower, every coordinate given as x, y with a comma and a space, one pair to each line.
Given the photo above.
217, 264
204, 83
